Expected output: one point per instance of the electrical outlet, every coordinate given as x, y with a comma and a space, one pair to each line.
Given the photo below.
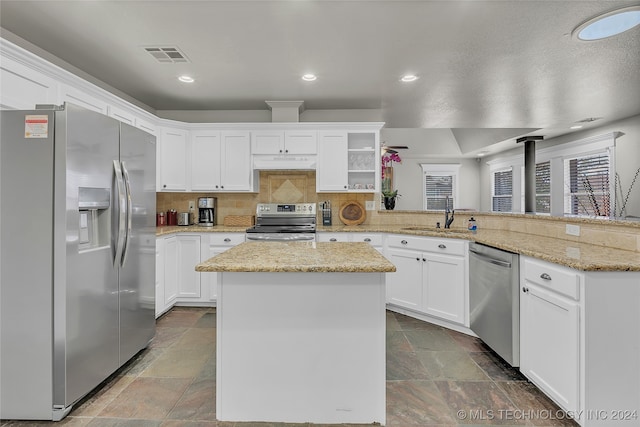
572, 230
370, 205
192, 205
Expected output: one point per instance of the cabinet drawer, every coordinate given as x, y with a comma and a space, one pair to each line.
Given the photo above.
553, 277
372, 239
333, 237
430, 244
226, 239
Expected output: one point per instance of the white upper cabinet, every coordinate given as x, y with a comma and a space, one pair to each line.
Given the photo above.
173, 149
205, 160
79, 97
277, 142
24, 87
122, 115
267, 142
301, 142
332, 170
236, 173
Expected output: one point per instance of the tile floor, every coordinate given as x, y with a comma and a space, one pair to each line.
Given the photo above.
435, 377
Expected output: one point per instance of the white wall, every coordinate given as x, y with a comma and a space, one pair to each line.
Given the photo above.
408, 180
627, 159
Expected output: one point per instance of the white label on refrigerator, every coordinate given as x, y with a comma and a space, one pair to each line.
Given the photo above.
36, 126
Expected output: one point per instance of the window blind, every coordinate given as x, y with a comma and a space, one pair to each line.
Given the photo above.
437, 189
502, 191
586, 181
543, 187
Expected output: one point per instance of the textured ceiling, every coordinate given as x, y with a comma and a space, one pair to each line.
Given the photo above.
482, 64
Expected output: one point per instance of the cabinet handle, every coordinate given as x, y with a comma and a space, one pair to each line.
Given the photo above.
346, 186
525, 289
286, 151
367, 240
424, 259
404, 242
442, 246
227, 239
222, 186
281, 151
164, 186
417, 259
545, 276
216, 186
333, 239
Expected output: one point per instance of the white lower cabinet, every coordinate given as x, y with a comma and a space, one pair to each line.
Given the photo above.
216, 244
580, 340
374, 239
430, 278
549, 340
170, 258
188, 258
161, 305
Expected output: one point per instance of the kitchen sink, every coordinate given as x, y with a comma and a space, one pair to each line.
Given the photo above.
435, 230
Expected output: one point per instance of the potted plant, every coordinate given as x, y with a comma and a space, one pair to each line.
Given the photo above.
388, 193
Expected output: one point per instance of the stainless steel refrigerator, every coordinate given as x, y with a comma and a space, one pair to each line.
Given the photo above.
77, 255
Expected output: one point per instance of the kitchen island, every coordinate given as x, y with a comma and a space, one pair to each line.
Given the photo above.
300, 332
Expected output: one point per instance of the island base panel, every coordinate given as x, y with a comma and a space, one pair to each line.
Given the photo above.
301, 347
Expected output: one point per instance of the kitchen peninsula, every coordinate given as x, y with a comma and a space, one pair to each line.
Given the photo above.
300, 332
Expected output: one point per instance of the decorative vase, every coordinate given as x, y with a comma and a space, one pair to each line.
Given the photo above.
389, 203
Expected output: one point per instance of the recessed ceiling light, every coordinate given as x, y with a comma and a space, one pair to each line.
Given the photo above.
186, 79
409, 78
309, 77
608, 24
576, 127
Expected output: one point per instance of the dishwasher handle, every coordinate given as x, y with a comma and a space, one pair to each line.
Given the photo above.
486, 258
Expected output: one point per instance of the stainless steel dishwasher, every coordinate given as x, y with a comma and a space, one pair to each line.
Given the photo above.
494, 299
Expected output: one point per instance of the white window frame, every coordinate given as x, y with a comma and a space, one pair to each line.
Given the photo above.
441, 169
514, 188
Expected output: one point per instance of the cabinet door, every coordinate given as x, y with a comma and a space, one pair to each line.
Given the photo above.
205, 161
549, 344
267, 142
301, 142
188, 258
404, 287
235, 166
160, 300
173, 155
444, 287
170, 270
332, 168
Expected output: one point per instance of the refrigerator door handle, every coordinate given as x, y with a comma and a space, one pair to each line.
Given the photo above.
129, 213
121, 213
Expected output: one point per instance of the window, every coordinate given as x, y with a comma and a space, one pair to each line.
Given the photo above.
543, 187
587, 185
440, 186
501, 199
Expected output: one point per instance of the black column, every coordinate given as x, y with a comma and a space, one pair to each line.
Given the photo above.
529, 172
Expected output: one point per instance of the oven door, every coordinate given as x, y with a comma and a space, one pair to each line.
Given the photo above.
281, 237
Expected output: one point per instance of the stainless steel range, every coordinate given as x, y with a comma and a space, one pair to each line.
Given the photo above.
284, 222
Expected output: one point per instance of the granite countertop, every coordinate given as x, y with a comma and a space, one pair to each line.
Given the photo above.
170, 229
581, 256
303, 257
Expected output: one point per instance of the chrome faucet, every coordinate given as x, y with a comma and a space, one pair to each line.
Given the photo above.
447, 220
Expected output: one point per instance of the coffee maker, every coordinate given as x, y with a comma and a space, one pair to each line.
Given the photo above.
207, 211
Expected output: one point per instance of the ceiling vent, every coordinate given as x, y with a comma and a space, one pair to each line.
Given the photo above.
167, 54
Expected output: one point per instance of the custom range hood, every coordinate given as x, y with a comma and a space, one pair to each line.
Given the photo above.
274, 154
